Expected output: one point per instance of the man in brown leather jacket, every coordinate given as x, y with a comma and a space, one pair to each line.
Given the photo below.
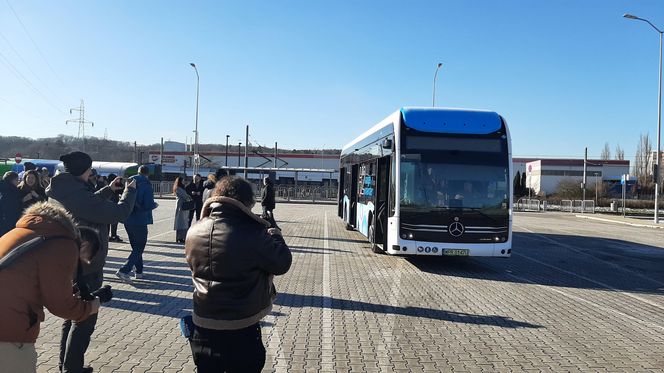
233, 257
42, 277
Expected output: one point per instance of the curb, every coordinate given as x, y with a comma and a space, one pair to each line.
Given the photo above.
620, 222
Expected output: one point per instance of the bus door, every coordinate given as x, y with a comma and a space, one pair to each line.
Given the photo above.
353, 194
341, 192
381, 204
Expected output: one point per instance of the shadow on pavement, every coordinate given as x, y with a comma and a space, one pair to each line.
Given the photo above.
564, 261
297, 300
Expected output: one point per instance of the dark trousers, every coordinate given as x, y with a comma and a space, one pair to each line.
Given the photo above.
268, 214
196, 210
138, 238
228, 350
76, 335
114, 230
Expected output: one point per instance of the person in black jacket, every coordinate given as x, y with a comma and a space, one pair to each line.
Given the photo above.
233, 256
268, 201
195, 190
115, 198
11, 205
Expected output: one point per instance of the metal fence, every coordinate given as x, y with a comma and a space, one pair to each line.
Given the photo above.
528, 204
284, 192
577, 205
306, 192
162, 188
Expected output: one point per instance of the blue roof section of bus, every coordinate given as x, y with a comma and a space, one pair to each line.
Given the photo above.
451, 120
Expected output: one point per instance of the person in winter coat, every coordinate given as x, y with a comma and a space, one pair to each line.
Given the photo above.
31, 189
45, 177
268, 201
41, 277
137, 223
181, 223
233, 256
208, 187
70, 189
195, 191
115, 198
10, 202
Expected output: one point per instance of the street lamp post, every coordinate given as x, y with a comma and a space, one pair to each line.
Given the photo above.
239, 149
659, 114
435, 75
226, 161
196, 156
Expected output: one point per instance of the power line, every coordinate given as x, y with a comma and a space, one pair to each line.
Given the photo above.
25, 29
17, 73
30, 112
27, 65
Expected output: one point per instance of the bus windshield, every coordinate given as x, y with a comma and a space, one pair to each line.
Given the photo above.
429, 184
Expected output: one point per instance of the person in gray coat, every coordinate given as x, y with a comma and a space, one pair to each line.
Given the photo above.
93, 209
181, 224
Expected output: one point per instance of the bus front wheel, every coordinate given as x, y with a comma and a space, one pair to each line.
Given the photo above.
372, 239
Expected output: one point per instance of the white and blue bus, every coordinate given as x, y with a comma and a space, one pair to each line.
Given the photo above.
431, 181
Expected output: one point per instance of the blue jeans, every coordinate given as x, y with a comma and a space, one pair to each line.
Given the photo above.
138, 238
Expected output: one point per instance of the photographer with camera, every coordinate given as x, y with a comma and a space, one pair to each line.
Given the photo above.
233, 256
94, 209
38, 261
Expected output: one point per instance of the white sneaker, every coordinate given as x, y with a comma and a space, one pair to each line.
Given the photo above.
138, 276
123, 276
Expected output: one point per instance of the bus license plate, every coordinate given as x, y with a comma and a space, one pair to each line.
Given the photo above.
456, 252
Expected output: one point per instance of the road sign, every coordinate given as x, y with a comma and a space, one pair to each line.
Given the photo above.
18, 158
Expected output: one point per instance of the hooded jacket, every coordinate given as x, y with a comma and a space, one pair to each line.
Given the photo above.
40, 278
208, 187
142, 212
233, 261
93, 209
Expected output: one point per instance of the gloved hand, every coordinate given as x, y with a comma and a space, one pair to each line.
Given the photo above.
104, 294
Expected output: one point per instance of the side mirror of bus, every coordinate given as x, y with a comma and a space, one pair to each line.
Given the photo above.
387, 144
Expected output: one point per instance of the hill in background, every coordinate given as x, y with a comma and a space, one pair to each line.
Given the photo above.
109, 150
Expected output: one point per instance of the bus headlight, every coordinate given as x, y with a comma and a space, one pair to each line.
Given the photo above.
420, 249
410, 236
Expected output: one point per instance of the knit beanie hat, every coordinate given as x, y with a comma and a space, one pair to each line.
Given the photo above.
76, 163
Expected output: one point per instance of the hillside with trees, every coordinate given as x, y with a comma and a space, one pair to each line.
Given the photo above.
109, 150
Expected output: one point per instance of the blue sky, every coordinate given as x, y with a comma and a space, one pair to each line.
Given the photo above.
311, 74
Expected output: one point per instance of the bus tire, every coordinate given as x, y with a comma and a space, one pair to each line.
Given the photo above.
374, 247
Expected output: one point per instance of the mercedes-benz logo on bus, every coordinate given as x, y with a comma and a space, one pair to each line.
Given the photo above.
456, 229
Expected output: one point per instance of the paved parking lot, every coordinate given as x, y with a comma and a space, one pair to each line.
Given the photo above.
577, 295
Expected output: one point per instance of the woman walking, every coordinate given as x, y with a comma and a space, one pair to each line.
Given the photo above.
181, 215
268, 202
31, 189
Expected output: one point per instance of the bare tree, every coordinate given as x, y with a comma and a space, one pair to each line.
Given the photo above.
620, 153
606, 152
643, 160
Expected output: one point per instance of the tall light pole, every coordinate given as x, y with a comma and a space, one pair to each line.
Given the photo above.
239, 148
196, 156
433, 100
659, 115
226, 161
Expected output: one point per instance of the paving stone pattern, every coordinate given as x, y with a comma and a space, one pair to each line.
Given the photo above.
577, 295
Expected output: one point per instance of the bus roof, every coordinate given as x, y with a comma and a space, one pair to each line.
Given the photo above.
447, 120
440, 120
